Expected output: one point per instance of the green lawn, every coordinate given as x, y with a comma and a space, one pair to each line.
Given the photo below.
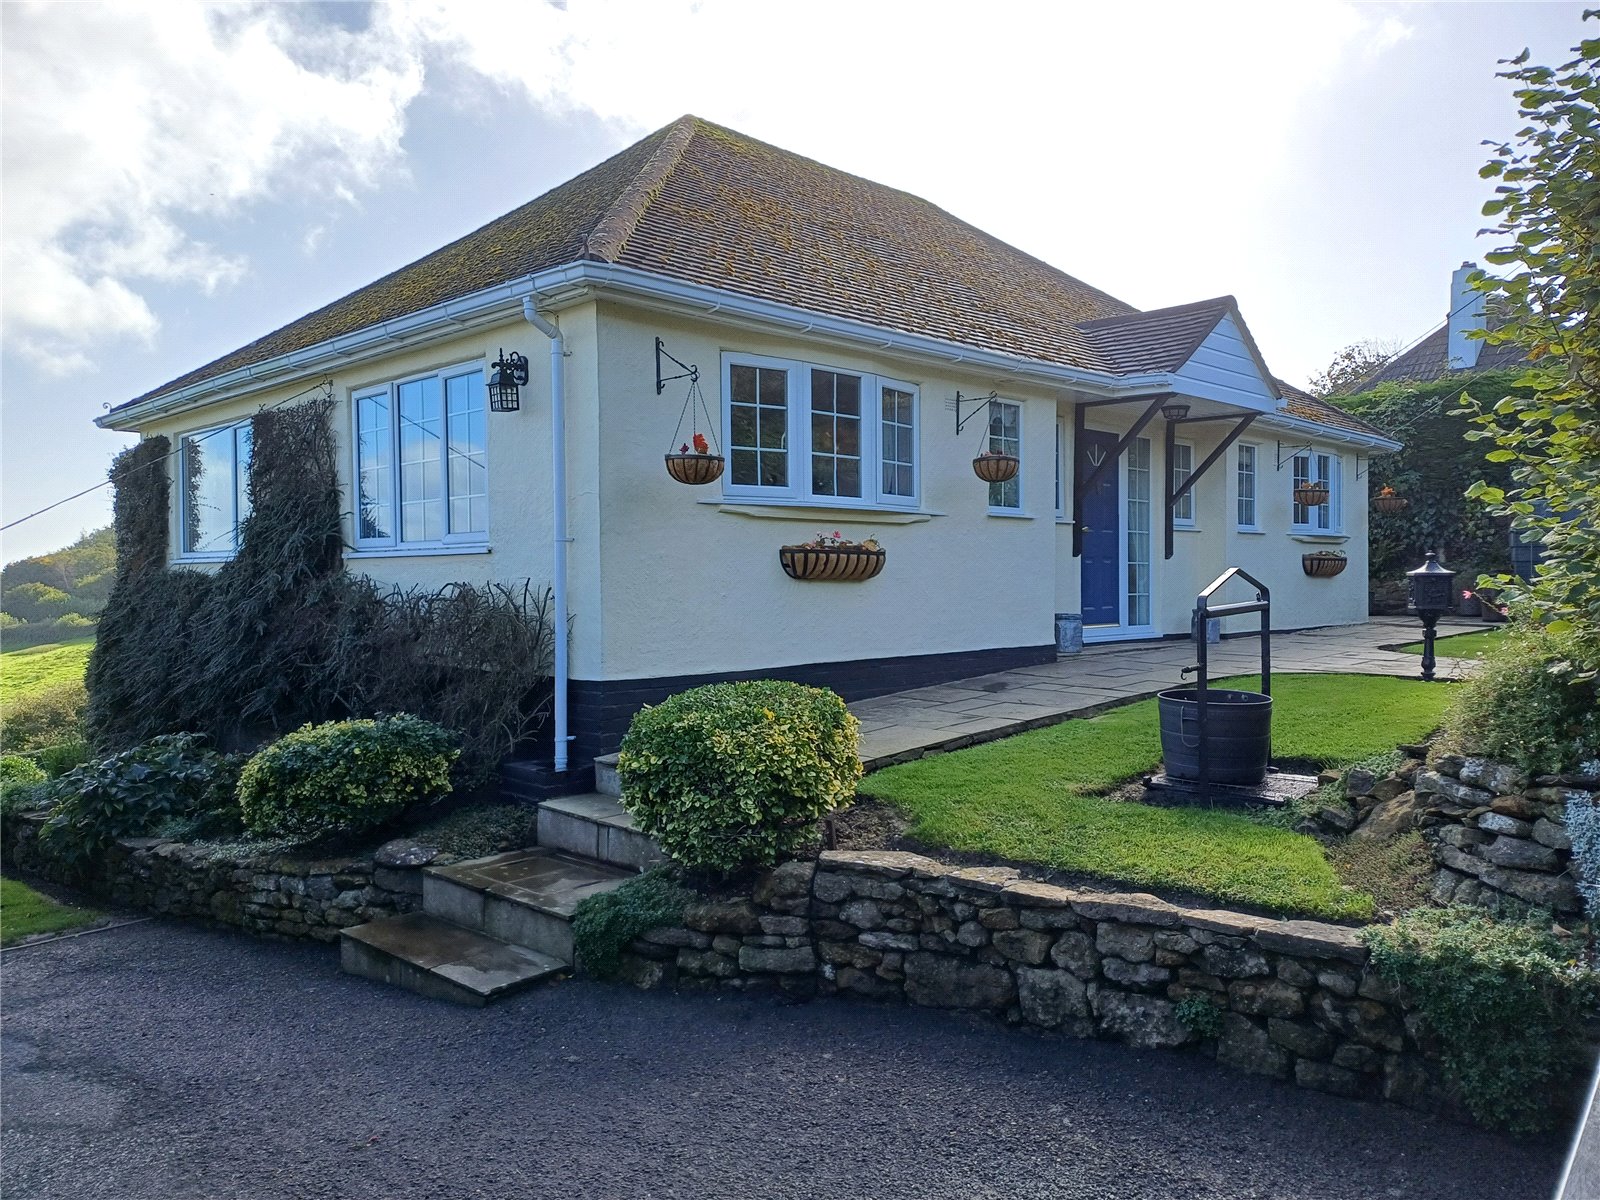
24, 912
1462, 645
34, 667
1037, 797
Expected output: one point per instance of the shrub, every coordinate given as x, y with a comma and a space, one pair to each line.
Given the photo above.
132, 793
56, 760
604, 925
732, 775
45, 717
1528, 705
25, 797
1200, 1015
1508, 1002
14, 768
344, 776
1583, 828
481, 830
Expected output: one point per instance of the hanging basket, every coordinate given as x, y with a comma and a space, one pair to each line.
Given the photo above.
838, 563
1323, 565
695, 468
1311, 494
1390, 504
996, 468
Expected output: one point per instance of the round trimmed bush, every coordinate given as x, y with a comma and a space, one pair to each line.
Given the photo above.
734, 774
344, 776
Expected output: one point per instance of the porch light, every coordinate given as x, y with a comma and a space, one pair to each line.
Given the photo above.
1176, 411
507, 376
1432, 594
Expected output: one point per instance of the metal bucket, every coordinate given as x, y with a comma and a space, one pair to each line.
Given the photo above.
1238, 738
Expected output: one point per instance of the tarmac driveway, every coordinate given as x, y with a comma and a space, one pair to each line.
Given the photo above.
164, 1060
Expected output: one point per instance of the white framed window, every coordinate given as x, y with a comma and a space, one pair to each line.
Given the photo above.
1137, 551
213, 489
819, 434
1317, 467
1180, 468
1061, 469
1245, 487
1005, 437
422, 461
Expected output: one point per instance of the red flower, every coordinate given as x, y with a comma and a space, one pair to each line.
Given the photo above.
701, 446
683, 449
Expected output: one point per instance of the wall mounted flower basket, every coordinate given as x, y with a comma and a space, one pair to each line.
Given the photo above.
695, 468
996, 468
1311, 494
1387, 502
1323, 564
832, 558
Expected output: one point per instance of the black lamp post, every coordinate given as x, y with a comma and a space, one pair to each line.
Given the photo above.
1432, 593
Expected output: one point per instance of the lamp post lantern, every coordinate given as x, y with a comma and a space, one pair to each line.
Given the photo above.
1432, 591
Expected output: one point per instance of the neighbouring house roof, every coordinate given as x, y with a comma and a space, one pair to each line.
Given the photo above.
700, 203
1428, 360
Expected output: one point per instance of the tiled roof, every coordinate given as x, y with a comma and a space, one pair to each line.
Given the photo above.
1160, 340
1427, 360
701, 203
1312, 408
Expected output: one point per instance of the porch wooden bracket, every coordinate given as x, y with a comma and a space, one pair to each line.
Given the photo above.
1174, 494
1081, 486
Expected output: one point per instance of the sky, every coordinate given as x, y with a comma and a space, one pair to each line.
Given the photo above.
181, 178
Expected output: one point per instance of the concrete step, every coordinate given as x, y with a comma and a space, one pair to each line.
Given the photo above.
606, 781
596, 826
437, 959
525, 897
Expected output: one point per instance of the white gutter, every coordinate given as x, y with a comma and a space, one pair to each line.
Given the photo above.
561, 286
558, 486
1300, 426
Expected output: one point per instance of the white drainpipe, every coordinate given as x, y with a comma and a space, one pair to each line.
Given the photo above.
558, 484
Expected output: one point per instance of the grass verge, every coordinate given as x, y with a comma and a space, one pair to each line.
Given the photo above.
25, 912
34, 668
1462, 645
1037, 797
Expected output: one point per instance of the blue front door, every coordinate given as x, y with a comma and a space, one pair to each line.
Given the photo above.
1100, 516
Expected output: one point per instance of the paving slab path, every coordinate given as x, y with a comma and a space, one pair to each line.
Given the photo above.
168, 1061
906, 725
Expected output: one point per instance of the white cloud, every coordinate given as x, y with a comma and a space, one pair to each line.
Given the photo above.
129, 128
128, 124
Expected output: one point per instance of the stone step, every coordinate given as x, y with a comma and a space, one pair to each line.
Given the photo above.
606, 781
596, 826
444, 961
525, 897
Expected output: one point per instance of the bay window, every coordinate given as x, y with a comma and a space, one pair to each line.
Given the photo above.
1317, 468
422, 465
818, 434
1005, 437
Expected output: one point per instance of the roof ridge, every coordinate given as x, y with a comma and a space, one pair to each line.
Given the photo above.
611, 232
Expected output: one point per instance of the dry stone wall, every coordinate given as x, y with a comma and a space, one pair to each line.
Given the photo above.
276, 896
1293, 1000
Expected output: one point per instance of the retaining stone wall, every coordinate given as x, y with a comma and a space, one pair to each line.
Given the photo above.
1294, 999
1498, 834
278, 897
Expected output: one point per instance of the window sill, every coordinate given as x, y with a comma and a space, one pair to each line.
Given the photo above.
416, 552
802, 510
1011, 514
1304, 535
1191, 528
1253, 530
200, 560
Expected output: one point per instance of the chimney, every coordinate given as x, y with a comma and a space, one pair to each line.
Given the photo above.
1466, 315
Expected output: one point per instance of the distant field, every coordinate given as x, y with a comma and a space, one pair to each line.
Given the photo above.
33, 668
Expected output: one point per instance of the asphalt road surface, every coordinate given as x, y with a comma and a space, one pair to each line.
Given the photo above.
164, 1060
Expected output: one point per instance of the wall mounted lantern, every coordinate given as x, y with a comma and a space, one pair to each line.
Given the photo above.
507, 376
1432, 592
1176, 411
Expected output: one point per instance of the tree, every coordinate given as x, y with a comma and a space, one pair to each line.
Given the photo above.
1548, 207
1351, 366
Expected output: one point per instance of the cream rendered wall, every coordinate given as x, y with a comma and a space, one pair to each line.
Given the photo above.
519, 468
692, 585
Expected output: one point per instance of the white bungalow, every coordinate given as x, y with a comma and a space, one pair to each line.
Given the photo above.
856, 348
